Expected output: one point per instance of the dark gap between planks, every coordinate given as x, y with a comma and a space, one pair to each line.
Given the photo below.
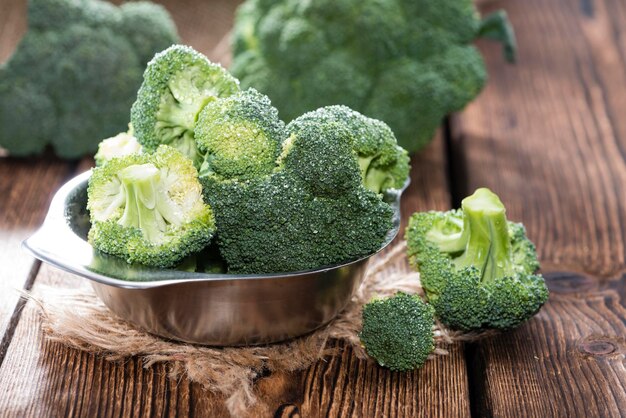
456, 179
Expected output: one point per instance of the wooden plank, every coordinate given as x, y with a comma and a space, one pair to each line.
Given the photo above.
12, 26
26, 188
547, 135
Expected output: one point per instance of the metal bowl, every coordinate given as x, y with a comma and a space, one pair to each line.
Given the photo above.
210, 309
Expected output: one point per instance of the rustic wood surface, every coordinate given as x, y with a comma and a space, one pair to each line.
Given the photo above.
546, 134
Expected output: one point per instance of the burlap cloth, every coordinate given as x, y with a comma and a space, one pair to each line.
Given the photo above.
78, 319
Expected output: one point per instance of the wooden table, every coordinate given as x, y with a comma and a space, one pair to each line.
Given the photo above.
548, 135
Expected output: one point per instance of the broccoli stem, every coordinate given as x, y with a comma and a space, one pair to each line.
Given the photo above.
488, 245
496, 26
145, 208
375, 180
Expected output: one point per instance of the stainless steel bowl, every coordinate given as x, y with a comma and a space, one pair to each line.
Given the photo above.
211, 309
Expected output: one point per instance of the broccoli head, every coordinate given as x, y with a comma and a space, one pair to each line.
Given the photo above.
239, 136
405, 62
177, 84
148, 209
477, 268
304, 210
398, 331
82, 61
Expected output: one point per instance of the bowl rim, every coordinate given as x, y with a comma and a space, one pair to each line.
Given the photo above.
55, 223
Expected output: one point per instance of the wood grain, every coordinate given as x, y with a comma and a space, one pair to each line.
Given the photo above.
26, 187
548, 135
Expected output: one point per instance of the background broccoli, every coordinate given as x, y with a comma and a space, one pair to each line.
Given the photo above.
148, 209
406, 62
476, 267
398, 331
76, 72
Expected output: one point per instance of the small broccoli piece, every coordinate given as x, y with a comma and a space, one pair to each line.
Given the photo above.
476, 267
178, 83
239, 136
148, 209
405, 62
398, 331
120, 145
383, 164
81, 61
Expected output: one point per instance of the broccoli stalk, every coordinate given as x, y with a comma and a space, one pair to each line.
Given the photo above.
476, 267
487, 245
398, 331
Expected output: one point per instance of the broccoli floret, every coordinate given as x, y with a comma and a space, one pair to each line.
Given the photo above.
178, 83
309, 211
239, 136
383, 164
406, 62
148, 209
82, 61
120, 145
398, 331
477, 268
275, 224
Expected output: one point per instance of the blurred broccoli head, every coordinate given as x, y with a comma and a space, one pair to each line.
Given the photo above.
405, 62
178, 83
148, 209
240, 136
85, 58
398, 331
20, 104
476, 267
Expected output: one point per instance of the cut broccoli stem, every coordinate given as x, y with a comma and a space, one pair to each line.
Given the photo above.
488, 246
146, 206
497, 27
377, 180
364, 165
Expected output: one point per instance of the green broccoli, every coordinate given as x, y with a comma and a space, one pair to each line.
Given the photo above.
120, 145
148, 209
405, 62
398, 331
80, 63
239, 136
307, 209
178, 83
477, 268
383, 164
